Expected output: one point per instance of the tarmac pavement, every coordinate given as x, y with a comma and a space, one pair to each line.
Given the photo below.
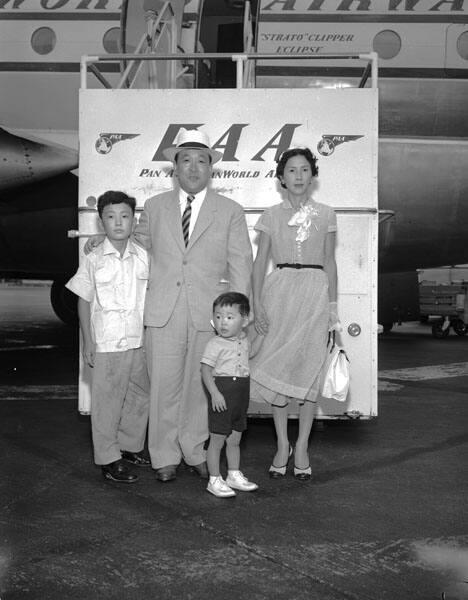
383, 517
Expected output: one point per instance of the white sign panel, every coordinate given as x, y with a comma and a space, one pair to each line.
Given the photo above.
123, 134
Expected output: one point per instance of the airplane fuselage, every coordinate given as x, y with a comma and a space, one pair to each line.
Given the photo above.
423, 86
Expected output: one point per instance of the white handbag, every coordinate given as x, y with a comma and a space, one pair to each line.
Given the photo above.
336, 374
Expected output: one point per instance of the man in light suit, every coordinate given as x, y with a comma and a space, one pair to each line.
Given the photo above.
199, 247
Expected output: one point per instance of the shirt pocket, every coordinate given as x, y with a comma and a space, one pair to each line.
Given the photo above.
134, 323
105, 288
142, 282
142, 273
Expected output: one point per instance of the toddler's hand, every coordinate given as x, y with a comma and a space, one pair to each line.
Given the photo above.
218, 403
93, 242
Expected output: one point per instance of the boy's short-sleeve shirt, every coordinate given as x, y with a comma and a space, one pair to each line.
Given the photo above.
115, 287
228, 356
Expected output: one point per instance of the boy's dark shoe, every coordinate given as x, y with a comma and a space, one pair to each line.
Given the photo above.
118, 472
201, 470
166, 474
136, 458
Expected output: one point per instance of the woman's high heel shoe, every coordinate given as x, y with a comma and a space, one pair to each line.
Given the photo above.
277, 472
302, 474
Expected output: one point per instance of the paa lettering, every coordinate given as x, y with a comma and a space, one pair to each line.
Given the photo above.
229, 141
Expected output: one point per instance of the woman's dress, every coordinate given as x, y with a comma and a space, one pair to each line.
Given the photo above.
296, 302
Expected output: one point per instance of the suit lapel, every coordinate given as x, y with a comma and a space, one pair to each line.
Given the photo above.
174, 221
205, 217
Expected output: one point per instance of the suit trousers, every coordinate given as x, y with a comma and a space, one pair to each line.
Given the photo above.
119, 404
178, 421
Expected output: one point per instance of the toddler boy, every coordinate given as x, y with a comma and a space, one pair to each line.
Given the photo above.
225, 373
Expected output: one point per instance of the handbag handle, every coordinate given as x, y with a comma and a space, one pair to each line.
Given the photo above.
331, 338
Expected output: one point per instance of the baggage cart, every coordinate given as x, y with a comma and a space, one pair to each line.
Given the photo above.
449, 303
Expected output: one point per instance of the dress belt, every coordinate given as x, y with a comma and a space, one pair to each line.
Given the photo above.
298, 266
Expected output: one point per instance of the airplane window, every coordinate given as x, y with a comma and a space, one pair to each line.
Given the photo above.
111, 40
462, 45
43, 40
387, 44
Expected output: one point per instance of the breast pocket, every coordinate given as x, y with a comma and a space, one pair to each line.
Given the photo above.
141, 271
105, 288
142, 286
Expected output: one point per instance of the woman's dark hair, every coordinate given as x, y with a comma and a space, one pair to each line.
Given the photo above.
287, 154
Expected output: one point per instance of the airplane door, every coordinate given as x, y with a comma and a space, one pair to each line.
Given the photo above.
456, 48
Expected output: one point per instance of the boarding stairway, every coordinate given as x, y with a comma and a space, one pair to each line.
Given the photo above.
168, 54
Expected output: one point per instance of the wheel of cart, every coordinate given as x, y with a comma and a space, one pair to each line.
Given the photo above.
459, 326
441, 328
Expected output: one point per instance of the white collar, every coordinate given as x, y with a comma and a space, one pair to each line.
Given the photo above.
109, 248
198, 198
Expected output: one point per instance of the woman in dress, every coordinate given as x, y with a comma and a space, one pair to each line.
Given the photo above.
295, 305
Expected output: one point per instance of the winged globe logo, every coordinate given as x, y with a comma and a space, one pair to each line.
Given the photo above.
328, 143
106, 141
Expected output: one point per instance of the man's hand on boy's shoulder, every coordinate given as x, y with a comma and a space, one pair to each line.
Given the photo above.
89, 353
93, 242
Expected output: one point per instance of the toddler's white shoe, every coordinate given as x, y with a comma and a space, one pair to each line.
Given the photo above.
238, 481
219, 488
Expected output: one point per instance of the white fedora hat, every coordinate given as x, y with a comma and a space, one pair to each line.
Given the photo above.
191, 139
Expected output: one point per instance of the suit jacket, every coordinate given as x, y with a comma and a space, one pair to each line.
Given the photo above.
218, 257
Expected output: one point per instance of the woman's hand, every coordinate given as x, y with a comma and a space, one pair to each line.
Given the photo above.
260, 320
93, 242
334, 323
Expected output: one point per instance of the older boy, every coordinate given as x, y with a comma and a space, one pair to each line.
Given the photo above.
111, 284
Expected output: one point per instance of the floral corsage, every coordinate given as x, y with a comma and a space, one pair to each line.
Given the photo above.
303, 219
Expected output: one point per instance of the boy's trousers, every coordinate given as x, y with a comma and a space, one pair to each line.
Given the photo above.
119, 404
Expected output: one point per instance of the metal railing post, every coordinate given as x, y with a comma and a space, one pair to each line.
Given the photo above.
372, 56
239, 60
83, 72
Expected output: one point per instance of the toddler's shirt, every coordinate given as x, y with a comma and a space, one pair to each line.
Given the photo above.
228, 356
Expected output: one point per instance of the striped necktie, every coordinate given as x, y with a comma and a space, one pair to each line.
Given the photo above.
186, 218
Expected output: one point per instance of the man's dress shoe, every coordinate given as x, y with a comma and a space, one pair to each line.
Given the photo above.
201, 470
166, 474
118, 472
136, 458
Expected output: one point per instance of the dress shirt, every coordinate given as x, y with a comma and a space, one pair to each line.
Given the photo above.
196, 205
229, 357
115, 287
